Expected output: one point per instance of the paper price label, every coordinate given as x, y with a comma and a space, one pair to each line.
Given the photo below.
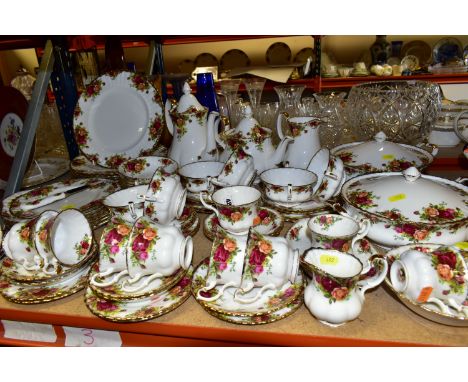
27, 331
396, 198
84, 337
388, 156
425, 294
67, 207
328, 260
463, 245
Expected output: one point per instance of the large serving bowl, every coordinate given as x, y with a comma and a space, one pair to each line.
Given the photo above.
407, 207
380, 155
404, 110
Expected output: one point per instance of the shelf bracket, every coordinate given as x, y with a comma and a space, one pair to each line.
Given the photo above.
31, 121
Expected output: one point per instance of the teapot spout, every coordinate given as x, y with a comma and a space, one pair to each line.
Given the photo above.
167, 108
280, 151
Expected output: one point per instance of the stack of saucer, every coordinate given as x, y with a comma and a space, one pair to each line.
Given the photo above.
143, 271
48, 258
82, 167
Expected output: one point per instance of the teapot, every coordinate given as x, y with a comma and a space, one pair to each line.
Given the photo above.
255, 141
193, 129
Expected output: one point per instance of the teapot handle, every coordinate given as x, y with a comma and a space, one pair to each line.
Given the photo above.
167, 108
373, 281
279, 123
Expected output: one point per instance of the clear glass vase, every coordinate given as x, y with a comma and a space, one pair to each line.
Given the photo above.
289, 98
331, 107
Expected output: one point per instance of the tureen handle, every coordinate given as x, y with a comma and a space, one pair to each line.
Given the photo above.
411, 174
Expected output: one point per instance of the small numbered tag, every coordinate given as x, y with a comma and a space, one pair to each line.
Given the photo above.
328, 260
27, 331
91, 337
396, 198
388, 156
425, 294
67, 207
463, 245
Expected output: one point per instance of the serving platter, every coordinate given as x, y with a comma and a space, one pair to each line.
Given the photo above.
118, 117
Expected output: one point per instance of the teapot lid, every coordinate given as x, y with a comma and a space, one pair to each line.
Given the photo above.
188, 100
381, 155
248, 122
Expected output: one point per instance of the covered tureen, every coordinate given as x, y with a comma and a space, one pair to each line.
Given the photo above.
381, 155
408, 207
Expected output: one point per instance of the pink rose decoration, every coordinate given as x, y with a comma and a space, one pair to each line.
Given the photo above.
221, 255
143, 255
225, 211
140, 244
222, 266
256, 257
262, 214
106, 305
113, 237
114, 249
449, 213
447, 257
258, 269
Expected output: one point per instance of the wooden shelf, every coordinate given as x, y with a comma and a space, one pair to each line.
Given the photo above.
346, 82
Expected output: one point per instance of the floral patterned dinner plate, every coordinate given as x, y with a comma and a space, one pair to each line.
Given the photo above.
267, 318
143, 309
271, 301
268, 222
119, 116
115, 292
38, 294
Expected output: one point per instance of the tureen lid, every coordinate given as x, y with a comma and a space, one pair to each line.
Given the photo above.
381, 155
408, 196
188, 100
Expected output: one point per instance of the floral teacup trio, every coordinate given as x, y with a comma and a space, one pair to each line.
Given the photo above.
50, 242
252, 264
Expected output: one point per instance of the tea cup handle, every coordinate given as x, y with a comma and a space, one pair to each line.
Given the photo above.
364, 227
279, 123
34, 267
217, 295
372, 282
256, 297
131, 207
104, 274
154, 276
206, 205
440, 304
